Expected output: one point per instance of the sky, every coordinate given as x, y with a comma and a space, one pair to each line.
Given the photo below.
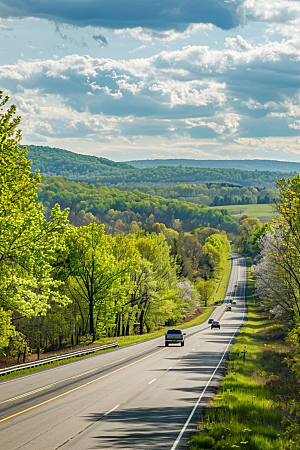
136, 79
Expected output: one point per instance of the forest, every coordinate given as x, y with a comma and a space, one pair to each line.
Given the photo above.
64, 283
209, 194
76, 167
121, 209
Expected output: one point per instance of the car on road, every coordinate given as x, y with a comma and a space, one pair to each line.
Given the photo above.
215, 324
174, 336
210, 320
228, 308
234, 302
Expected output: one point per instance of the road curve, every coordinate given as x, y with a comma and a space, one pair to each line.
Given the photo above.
145, 396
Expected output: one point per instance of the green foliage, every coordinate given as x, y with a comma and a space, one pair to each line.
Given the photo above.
203, 253
100, 170
119, 209
27, 242
249, 231
210, 194
98, 269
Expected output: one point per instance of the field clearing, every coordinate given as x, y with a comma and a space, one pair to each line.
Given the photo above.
265, 213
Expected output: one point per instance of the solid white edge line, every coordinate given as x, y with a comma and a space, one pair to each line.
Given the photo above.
208, 383
152, 381
111, 410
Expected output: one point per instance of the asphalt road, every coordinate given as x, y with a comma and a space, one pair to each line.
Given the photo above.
145, 396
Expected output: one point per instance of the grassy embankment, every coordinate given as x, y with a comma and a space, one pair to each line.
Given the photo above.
265, 213
254, 396
220, 284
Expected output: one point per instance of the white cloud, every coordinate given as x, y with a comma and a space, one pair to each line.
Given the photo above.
150, 35
232, 95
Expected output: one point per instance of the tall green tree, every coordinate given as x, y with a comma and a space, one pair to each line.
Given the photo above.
27, 242
98, 266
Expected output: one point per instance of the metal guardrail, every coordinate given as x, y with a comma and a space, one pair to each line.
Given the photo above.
41, 362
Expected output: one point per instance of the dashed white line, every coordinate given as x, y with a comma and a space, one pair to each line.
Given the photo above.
150, 382
111, 410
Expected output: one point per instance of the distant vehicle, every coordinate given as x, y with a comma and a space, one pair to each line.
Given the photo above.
210, 320
234, 302
216, 324
174, 336
228, 308
230, 301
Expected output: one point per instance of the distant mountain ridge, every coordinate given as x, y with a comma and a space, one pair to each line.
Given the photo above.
242, 164
92, 169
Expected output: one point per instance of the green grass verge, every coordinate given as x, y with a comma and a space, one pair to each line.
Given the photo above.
265, 213
246, 412
122, 341
221, 284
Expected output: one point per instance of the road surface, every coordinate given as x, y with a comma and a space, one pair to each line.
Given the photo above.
144, 396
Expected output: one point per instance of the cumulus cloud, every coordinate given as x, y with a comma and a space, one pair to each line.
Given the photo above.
205, 92
241, 93
272, 11
113, 14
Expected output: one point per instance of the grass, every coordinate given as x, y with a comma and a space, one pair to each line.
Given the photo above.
221, 284
265, 213
122, 341
247, 411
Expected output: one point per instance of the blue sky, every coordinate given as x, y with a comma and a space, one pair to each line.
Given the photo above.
136, 79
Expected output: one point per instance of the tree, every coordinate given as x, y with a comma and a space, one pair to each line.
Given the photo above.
247, 230
153, 280
97, 265
28, 243
205, 289
278, 265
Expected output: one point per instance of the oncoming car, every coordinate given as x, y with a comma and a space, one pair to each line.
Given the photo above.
215, 324
174, 336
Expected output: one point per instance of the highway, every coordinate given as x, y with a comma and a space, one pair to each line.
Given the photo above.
144, 396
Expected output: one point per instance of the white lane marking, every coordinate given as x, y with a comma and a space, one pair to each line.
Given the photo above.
150, 382
208, 383
111, 410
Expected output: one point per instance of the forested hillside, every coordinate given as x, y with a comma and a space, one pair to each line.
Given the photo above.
210, 194
119, 210
91, 169
243, 164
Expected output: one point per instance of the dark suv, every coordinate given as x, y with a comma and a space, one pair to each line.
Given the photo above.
215, 324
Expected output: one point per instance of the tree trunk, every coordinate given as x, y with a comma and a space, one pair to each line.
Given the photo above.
142, 322
91, 311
